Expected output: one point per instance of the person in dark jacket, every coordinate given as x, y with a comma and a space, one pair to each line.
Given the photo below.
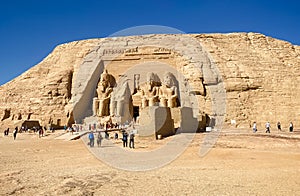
125, 138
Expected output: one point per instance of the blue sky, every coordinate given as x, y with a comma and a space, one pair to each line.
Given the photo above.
30, 29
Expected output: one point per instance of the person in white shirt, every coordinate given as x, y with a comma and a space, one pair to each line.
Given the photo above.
291, 127
268, 127
254, 127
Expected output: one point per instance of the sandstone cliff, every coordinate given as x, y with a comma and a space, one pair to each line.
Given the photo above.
42, 92
260, 73
261, 76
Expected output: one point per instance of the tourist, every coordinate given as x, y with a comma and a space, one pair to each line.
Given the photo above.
91, 138
99, 139
291, 127
131, 140
125, 138
76, 128
40, 132
116, 135
106, 135
15, 133
254, 127
268, 127
279, 126
6, 131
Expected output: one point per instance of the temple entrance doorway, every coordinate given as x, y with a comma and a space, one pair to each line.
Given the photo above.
136, 112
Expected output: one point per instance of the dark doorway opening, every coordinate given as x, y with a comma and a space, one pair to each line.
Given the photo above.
58, 122
136, 112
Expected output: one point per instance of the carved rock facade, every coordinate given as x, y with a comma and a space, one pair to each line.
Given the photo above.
260, 76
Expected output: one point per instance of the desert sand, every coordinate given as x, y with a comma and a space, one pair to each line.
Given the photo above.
240, 163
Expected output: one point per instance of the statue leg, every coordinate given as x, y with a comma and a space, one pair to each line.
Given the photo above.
151, 102
113, 108
164, 102
95, 106
101, 108
106, 106
121, 108
172, 102
144, 102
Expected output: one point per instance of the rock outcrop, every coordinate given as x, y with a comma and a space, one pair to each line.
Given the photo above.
43, 92
260, 76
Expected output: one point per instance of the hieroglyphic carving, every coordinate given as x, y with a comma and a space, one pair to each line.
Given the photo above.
134, 51
120, 51
162, 50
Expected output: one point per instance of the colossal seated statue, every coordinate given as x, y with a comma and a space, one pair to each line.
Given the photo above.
168, 96
149, 92
104, 90
121, 101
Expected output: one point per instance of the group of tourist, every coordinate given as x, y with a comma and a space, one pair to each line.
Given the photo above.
6, 132
40, 130
92, 139
268, 127
125, 136
74, 128
15, 132
125, 139
108, 126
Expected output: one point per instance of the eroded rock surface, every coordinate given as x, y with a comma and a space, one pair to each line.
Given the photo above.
260, 76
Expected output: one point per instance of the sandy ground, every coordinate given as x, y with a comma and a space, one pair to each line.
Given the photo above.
240, 163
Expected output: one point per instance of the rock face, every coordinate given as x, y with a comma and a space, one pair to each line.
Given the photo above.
261, 76
44, 91
257, 74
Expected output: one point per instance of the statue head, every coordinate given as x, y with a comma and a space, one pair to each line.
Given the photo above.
106, 80
153, 80
169, 79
